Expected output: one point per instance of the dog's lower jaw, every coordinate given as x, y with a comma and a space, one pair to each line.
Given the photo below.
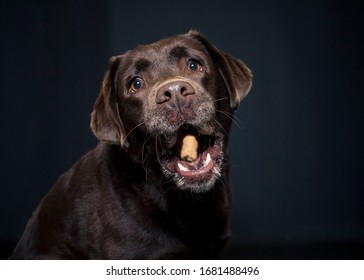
198, 183
194, 187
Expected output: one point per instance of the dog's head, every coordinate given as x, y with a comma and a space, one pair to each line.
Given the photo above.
155, 95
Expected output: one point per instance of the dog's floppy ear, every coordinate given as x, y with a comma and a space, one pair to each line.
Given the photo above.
105, 118
236, 75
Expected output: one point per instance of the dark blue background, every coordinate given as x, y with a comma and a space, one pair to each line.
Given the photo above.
297, 149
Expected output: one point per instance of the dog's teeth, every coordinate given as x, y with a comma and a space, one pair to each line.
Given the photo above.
208, 159
181, 167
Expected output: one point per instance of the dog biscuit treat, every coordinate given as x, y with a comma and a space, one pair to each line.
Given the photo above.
189, 148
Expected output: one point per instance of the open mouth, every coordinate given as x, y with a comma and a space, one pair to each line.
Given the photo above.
194, 158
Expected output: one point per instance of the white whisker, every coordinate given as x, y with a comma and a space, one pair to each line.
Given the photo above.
220, 99
232, 117
135, 127
221, 126
142, 154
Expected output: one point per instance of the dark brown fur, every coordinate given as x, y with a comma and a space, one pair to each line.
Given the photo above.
127, 198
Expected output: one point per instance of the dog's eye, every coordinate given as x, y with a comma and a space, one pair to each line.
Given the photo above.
136, 85
193, 65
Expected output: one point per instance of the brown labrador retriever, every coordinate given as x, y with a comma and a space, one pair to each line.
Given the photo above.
157, 184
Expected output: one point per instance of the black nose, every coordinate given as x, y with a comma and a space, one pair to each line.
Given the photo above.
176, 94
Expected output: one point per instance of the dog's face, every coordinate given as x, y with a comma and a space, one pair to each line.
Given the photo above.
155, 95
